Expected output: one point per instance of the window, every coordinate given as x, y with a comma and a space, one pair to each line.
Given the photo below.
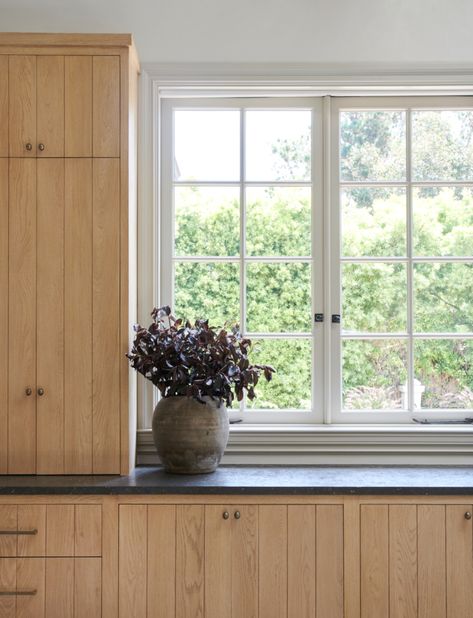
273, 212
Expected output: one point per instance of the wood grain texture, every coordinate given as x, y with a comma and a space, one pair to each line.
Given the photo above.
106, 106
3, 311
60, 528
30, 575
78, 316
8, 582
301, 561
329, 561
459, 553
110, 558
22, 105
87, 588
32, 517
403, 561
374, 577
3, 106
190, 551
50, 316
244, 600
431, 565
8, 521
88, 530
272, 557
162, 561
133, 575
50, 106
65, 39
106, 317
218, 561
78, 106
22, 317
351, 548
59, 588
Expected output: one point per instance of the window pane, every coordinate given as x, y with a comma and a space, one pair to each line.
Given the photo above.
443, 296
373, 222
207, 220
374, 374
443, 221
442, 145
278, 221
373, 145
290, 386
278, 298
206, 145
374, 297
207, 291
278, 145
444, 370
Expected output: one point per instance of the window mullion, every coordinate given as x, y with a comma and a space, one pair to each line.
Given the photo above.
410, 267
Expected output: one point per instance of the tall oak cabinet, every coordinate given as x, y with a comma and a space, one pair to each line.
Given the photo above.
67, 252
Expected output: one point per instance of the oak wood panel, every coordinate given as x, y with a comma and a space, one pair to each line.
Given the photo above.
32, 517
60, 529
87, 588
132, 561
106, 106
101, 41
161, 561
301, 561
374, 577
8, 583
3, 309
351, 548
329, 561
110, 560
88, 530
22, 105
78, 316
106, 317
50, 105
244, 599
218, 562
30, 575
50, 316
22, 316
431, 565
3, 106
8, 521
403, 561
272, 557
190, 530
59, 588
78, 106
459, 552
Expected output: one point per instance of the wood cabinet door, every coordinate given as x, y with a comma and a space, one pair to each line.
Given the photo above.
3, 106
22, 317
50, 106
459, 554
22, 106
3, 311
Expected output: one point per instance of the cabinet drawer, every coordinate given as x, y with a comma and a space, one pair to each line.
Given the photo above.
28, 530
50, 587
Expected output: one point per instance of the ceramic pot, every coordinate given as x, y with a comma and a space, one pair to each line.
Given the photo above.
190, 436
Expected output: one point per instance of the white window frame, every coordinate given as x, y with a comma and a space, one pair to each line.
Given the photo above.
327, 443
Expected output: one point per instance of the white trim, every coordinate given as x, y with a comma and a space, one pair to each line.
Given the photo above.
350, 444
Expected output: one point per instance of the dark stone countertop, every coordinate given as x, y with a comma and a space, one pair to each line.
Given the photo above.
254, 480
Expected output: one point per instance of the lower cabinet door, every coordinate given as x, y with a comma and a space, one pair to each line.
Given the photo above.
231, 561
416, 561
50, 588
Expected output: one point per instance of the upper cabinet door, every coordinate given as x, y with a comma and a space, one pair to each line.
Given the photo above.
106, 106
22, 106
50, 106
78, 101
3, 106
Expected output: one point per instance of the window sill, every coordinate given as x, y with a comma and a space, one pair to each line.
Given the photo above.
338, 444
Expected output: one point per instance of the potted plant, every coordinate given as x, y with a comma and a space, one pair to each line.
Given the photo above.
198, 370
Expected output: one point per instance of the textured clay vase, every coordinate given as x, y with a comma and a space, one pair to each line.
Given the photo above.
190, 436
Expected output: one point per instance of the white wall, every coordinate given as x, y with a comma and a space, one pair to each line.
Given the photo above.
293, 31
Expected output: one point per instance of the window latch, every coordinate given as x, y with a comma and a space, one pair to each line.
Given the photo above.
425, 421
336, 319
318, 317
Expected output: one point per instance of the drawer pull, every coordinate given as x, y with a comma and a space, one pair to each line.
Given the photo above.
17, 593
20, 532
468, 515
